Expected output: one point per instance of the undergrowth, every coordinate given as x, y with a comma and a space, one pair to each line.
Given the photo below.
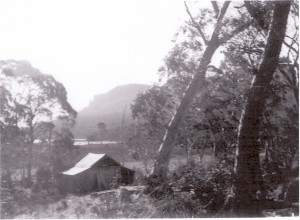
192, 190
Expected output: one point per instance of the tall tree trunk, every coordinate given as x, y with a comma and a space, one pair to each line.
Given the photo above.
247, 167
30, 146
161, 163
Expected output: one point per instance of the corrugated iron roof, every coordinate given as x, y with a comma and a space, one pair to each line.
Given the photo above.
85, 163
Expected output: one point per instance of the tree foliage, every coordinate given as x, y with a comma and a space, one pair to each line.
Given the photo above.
214, 116
30, 102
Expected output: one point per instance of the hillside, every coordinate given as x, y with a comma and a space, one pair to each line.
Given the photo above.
107, 108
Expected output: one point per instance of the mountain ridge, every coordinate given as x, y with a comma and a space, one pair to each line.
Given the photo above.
109, 108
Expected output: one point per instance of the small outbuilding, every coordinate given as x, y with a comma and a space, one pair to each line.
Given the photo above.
94, 172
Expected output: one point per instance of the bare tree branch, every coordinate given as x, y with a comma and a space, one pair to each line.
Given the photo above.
239, 7
223, 10
295, 6
195, 24
294, 41
220, 18
290, 47
216, 7
294, 38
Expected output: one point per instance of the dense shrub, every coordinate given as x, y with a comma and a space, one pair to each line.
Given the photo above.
8, 204
198, 190
44, 177
157, 187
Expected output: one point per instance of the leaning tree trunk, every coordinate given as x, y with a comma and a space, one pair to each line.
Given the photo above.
247, 167
161, 163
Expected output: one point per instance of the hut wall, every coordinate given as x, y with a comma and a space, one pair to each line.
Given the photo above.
86, 181
106, 175
81, 182
65, 183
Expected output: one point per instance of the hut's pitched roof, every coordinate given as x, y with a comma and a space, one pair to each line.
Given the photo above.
74, 171
85, 163
89, 160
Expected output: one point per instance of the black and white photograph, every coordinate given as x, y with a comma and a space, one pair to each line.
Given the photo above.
138, 109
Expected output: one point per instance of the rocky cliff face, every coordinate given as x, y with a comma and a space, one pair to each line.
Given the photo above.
107, 108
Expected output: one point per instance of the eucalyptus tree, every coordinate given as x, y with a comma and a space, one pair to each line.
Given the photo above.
151, 111
30, 99
223, 30
248, 179
265, 45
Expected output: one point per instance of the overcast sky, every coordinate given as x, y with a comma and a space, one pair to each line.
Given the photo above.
90, 46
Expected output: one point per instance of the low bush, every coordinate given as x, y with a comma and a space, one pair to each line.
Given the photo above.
157, 187
44, 177
197, 190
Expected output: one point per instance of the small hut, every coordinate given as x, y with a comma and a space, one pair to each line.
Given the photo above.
94, 172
